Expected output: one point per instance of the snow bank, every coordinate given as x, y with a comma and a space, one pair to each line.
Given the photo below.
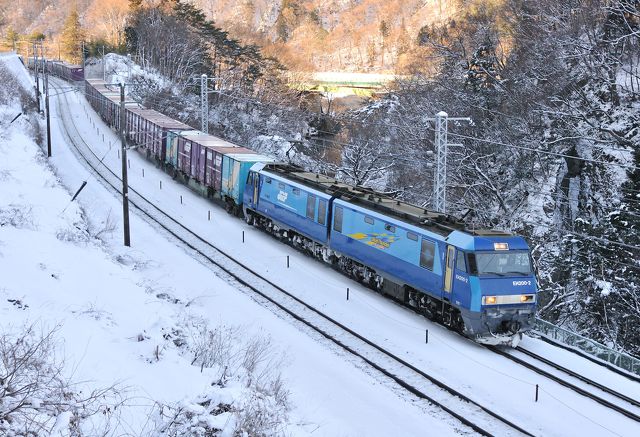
13, 63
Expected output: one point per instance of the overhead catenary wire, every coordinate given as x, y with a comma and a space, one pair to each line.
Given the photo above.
342, 144
493, 142
424, 126
568, 233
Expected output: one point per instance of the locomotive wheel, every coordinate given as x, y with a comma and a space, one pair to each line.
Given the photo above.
248, 218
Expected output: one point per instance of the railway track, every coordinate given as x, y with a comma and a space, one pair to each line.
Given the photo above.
591, 358
410, 378
616, 406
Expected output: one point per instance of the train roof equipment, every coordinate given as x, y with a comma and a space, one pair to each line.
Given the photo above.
437, 222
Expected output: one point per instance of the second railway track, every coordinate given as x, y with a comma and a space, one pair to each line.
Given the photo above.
589, 394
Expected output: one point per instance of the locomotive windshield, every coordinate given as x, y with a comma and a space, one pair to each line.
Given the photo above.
500, 263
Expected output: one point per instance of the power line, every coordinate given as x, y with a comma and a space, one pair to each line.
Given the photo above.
562, 199
568, 234
493, 142
562, 155
324, 141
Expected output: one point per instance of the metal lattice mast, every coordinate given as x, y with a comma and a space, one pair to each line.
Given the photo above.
204, 103
440, 183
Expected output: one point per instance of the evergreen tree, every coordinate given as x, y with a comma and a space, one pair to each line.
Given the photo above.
12, 38
482, 76
288, 19
135, 5
482, 72
384, 34
72, 37
404, 41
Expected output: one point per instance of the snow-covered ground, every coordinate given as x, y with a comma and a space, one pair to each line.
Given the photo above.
120, 309
115, 307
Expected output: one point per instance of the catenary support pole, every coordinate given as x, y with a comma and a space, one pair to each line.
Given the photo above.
440, 179
204, 103
125, 184
35, 69
46, 103
440, 185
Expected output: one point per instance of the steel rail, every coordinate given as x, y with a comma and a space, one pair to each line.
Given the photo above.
582, 378
567, 384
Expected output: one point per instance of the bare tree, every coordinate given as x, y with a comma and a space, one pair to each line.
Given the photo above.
35, 396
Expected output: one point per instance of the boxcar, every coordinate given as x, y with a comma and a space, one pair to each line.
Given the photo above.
215, 167
235, 169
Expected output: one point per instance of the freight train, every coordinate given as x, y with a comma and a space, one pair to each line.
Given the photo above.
480, 283
64, 70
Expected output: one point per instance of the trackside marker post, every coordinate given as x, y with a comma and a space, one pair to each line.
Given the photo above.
426, 336
287, 261
536, 392
243, 236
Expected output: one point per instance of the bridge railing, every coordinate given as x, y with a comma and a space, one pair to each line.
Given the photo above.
619, 359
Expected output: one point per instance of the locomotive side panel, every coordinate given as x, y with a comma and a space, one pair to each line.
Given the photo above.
395, 250
294, 206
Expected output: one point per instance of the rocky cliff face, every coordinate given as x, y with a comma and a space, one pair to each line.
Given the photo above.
362, 35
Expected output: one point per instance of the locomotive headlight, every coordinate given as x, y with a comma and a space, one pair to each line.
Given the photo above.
526, 298
489, 300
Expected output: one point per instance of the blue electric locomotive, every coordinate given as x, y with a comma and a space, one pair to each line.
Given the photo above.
480, 283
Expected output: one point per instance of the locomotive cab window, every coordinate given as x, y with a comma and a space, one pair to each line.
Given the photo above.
513, 262
322, 211
337, 219
460, 264
427, 254
311, 207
